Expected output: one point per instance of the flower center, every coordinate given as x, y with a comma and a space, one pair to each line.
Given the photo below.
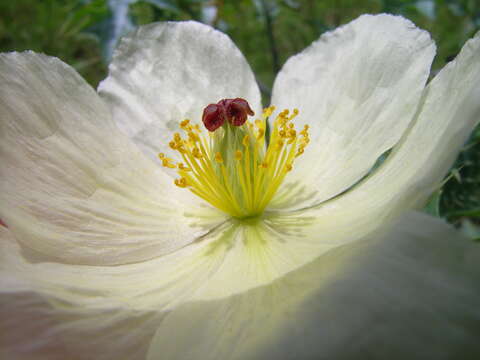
232, 167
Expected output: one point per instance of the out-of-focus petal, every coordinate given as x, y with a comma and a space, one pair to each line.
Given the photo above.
39, 322
358, 88
409, 293
232, 263
166, 72
72, 186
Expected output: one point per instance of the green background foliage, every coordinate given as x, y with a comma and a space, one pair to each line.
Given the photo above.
84, 33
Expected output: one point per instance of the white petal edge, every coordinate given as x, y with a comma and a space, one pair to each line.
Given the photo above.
358, 88
72, 186
163, 73
409, 293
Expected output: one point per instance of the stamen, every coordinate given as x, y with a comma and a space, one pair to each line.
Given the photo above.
238, 155
218, 158
182, 182
232, 168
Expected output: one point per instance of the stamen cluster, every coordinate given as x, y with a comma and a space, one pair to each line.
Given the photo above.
231, 168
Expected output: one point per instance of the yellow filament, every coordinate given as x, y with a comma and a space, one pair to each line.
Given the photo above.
239, 181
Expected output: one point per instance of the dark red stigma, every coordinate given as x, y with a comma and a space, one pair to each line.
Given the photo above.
235, 111
213, 117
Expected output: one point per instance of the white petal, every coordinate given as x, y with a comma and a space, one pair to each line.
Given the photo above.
72, 186
40, 320
449, 112
411, 293
163, 73
34, 328
358, 88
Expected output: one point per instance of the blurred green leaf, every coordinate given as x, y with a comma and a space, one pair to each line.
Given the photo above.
433, 206
470, 229
165, 4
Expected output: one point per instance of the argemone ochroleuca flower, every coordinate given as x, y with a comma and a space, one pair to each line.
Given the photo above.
161, 218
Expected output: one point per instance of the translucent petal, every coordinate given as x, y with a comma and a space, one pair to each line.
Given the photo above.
409, 293
358, 88
449, 112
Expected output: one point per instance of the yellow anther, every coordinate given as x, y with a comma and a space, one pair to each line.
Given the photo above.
166, 162
281, 120
238, 155
268, 111
300, 151
218, 158
184, 124
181, 166
193, 137
282, 133
182, 182
161, 155
180, 148
196, 153
264, 165
288, 167
292, 134
294, 115
173, 145
177, 138
295, 111
280, 144
260, 133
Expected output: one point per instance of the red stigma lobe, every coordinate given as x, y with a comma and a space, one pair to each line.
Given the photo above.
235, 111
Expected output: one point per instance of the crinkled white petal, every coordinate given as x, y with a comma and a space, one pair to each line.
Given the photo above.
358, 88
165, 72
72, 186
449, 111
411, 293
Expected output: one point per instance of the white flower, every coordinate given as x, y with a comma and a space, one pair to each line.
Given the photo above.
105, 258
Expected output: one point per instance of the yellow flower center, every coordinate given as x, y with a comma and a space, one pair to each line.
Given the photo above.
233, 168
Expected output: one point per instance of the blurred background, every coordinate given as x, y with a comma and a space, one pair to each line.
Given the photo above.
83, 33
